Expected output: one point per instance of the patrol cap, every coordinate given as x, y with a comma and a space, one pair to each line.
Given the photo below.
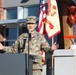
31, 19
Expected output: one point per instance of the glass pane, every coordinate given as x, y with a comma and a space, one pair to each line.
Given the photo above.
10, 35
11, 13
22, 29
33, 10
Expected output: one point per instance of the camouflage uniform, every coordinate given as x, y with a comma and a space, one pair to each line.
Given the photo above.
35, 44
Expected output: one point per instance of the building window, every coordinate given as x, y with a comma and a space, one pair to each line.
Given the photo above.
11, 31
11, 13
11, 35
31, 10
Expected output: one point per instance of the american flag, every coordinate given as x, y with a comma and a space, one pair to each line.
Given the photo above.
42, 17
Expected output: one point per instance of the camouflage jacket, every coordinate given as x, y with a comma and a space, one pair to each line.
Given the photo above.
36, 43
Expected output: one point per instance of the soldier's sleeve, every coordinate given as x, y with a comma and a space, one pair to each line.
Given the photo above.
16, 45
13, 48
45, 44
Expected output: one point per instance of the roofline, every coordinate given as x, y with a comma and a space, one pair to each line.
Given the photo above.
13, 21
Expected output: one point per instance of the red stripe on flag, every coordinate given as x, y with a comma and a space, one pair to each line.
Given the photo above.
42, 17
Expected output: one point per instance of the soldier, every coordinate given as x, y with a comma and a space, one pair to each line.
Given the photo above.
36, 43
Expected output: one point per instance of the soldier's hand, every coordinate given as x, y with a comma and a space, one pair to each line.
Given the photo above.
1, 47
55, 46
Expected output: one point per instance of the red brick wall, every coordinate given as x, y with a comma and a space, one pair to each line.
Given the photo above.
1, 10
1, 18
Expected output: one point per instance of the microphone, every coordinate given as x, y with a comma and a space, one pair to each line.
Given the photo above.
29, 35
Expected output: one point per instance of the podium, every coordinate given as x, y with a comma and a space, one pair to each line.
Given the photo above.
64, 62
14, 64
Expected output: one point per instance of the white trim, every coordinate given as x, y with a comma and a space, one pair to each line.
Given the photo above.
19, 12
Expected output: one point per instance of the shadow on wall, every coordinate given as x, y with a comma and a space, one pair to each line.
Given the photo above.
23, 1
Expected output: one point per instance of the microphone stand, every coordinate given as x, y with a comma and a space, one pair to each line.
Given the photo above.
29, 38
27, 55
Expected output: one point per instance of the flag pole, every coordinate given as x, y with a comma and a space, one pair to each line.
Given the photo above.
52, 56
42, 19
52, 40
